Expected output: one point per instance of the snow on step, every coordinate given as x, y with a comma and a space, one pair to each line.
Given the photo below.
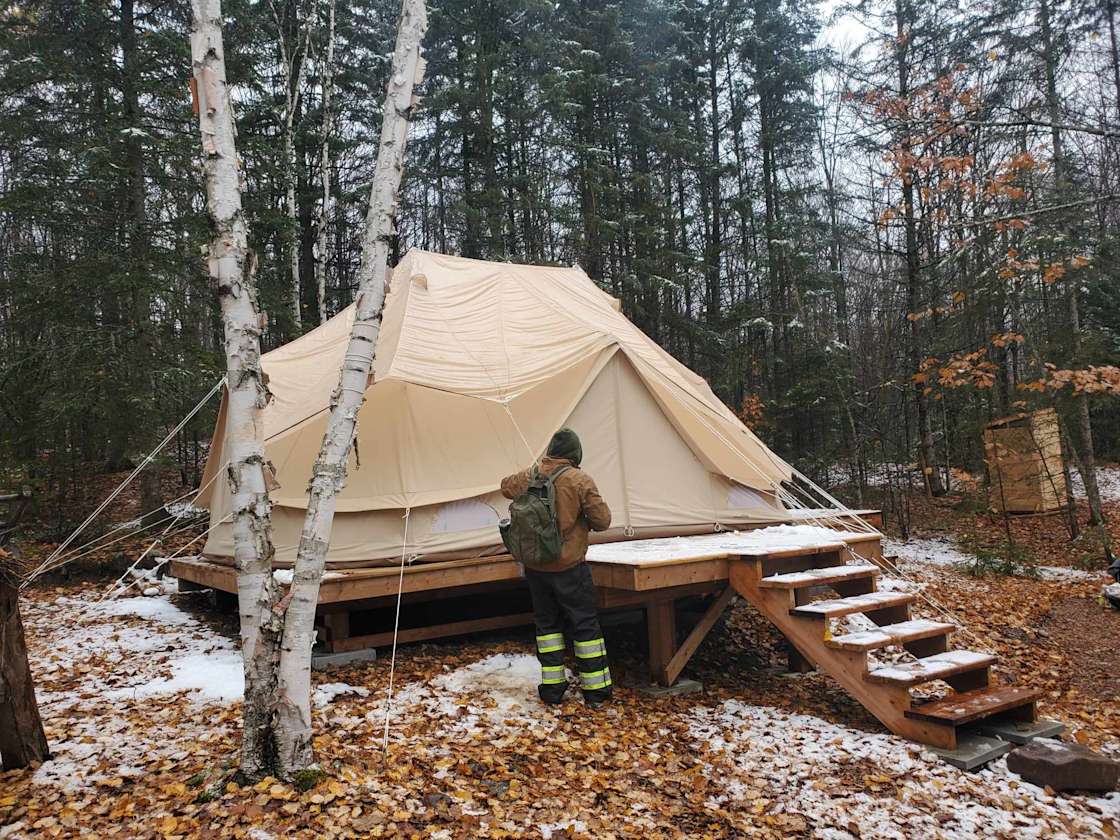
959, 709
931, 668
855, 604
819, 577
891, 634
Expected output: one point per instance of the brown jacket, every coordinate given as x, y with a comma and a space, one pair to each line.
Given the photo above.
579, 507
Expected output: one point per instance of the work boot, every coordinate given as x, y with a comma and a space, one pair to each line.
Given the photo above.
596, 699
552, 694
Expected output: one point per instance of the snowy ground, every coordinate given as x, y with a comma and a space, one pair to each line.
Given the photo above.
880, 475
917, 553
1108, 480
137, 684
859, 784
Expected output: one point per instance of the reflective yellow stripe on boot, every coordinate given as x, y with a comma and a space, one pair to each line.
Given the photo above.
550, 643
590, 649
595, 679
552, 674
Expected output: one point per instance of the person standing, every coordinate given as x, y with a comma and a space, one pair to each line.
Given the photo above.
555, 506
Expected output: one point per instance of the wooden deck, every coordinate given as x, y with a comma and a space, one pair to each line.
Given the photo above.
800, 578
654, 575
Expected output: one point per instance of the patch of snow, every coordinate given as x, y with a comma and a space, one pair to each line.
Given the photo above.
757, 542
168, 652
494, 697
935, 551
184, 509
150, 583
121, 526
284, 577
1108, 482
1111, 592
159, 610
510, 680
939, 551
548, 829
894, 584
326, 693
805, 765
214, 675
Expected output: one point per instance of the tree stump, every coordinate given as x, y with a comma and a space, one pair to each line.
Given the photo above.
22, 739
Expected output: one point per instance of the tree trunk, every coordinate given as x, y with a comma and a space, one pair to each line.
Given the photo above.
1114, 52
294, 709
1062, 190
232, 270
151, 496
22, 739
294, 66
926, 455
325, 173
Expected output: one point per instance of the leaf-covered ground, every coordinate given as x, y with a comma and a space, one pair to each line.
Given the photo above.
140, 695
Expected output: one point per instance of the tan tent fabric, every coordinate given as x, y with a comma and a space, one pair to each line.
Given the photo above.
476, 365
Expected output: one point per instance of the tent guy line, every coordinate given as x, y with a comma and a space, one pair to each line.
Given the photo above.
109, 499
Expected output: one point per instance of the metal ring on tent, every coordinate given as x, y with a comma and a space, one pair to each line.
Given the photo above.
628, 531
718, 528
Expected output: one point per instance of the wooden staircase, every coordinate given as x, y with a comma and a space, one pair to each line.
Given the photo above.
781, 589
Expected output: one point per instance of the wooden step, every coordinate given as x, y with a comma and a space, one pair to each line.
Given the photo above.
819, 577
958, 709
839, 607
936, 667
891, 634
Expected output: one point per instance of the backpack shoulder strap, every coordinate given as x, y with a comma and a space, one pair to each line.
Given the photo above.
557, 473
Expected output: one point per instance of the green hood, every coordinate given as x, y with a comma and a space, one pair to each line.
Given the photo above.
565, 444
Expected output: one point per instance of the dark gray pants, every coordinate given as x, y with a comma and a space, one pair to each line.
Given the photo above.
564, 602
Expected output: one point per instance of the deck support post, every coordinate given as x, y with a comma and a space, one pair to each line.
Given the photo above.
337, 624
795, 662
661, 627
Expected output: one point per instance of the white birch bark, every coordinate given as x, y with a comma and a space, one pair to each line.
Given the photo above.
231, 269
294, 709
325, 172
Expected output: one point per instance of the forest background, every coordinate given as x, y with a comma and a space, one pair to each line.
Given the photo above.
873, 228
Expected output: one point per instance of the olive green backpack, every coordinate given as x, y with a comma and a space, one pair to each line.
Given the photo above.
532, 532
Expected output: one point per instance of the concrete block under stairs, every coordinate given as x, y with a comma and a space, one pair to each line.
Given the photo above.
973, 751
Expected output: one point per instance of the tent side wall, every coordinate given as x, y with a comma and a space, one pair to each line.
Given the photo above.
653, 481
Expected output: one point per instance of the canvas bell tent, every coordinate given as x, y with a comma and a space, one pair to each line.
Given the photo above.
477, 364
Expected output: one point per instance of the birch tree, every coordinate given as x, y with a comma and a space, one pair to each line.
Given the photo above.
321, 230
232, 269
294, 710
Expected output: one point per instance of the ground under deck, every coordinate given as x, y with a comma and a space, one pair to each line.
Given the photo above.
653, 574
